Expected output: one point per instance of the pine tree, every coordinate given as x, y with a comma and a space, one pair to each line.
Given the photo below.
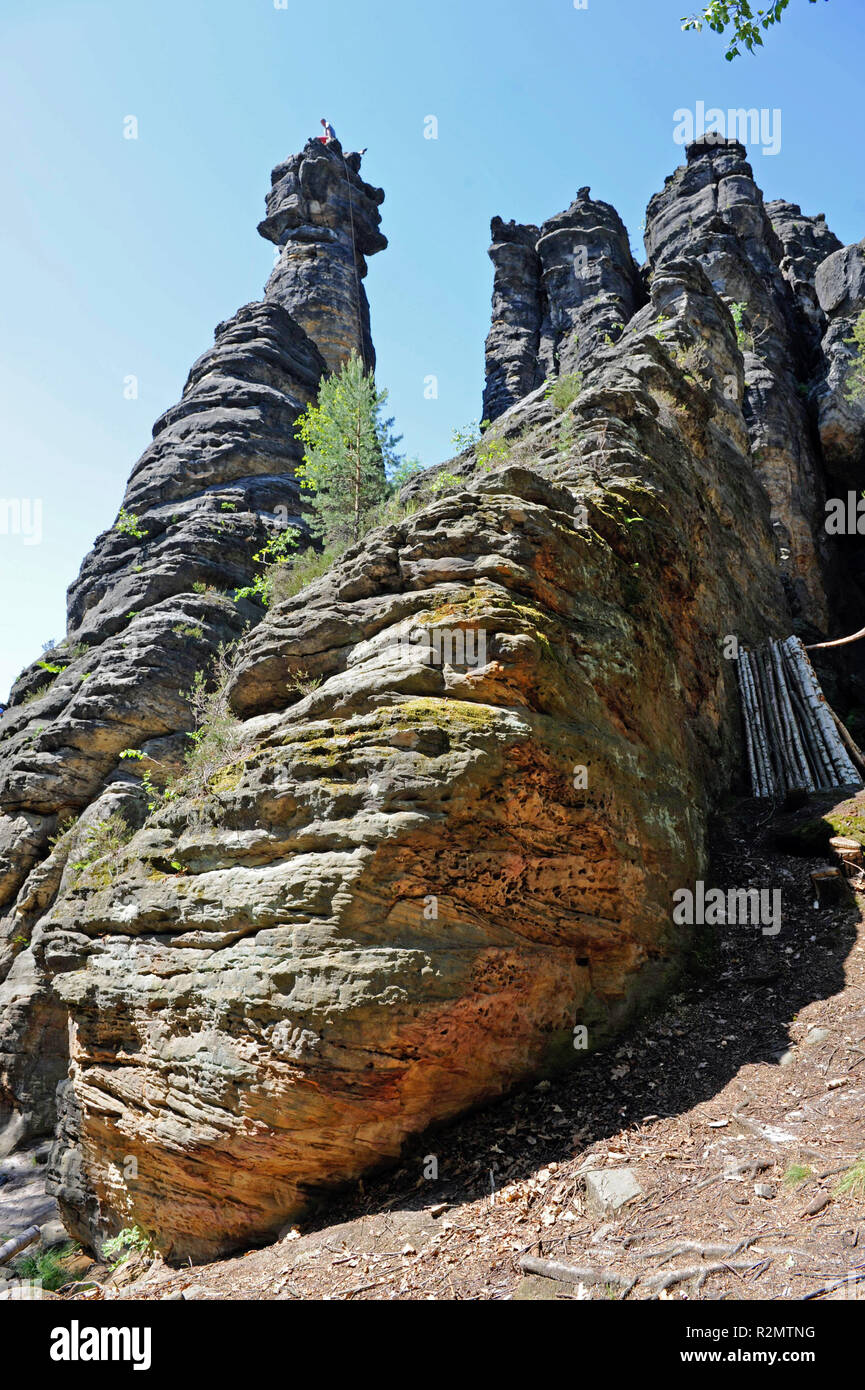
348, 448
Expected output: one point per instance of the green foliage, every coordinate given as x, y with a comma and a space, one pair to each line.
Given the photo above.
567, 435
746, 25
188, 630
37, 694
564, 390
796, 1173
273, 555
77, 649
64, 830
852, 1184
217, 740
154, 795
102, 840
466, 437
743, 338
51, 666
129, 1241
348, 450
492, 450
401, 471
693, 363
47, 1266
127, 525
856, 376
301, 681
284, 581
394, 509
444, 481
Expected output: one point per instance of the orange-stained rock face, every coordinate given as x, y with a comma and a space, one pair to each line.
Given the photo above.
424, 874
471, 764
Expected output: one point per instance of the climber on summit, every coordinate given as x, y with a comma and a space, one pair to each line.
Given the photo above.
329, 132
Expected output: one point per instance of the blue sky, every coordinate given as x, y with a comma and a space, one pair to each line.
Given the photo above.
118, 257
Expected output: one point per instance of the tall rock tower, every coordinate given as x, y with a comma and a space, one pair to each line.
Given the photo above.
712, 211
559, 292
154, 599
326, 220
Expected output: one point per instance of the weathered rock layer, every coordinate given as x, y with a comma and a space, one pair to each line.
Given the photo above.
403, 898
153, 600
418, 876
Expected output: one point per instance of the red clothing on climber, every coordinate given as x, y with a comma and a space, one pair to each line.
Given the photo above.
329, 133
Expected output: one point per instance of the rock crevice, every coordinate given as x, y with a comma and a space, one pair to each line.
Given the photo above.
474, 759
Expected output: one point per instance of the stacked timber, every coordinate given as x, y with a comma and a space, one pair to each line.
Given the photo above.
794, 740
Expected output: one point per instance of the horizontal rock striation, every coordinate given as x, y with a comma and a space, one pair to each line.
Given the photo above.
425, 872
559, 291
840, 286
326, 221
513, 367
562, 290
151, 605
712, 211
470, 764
805, 242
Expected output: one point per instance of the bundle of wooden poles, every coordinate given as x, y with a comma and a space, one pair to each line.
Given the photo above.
795, 741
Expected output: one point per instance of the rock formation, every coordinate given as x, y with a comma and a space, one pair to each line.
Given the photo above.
472, 762
805, 242
559, 292
153, 600
840, 285
402, 899
513, 367
712, 210
326, 220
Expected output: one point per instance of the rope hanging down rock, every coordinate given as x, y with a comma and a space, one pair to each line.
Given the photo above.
794, 740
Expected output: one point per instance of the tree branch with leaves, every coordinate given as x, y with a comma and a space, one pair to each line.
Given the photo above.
746, 24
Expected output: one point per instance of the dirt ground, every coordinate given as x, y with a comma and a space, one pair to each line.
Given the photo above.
738, 1107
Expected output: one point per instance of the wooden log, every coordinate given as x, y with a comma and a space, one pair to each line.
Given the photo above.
761, 727
857, 757
823, 776
18, 1243
809, 721
830, 887
744, 700
776, 742
839, 642
782, 736
790, 719
749, 709
816, 700
849, 852
764, 784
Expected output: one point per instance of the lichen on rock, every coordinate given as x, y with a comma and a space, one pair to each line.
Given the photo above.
474, 759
